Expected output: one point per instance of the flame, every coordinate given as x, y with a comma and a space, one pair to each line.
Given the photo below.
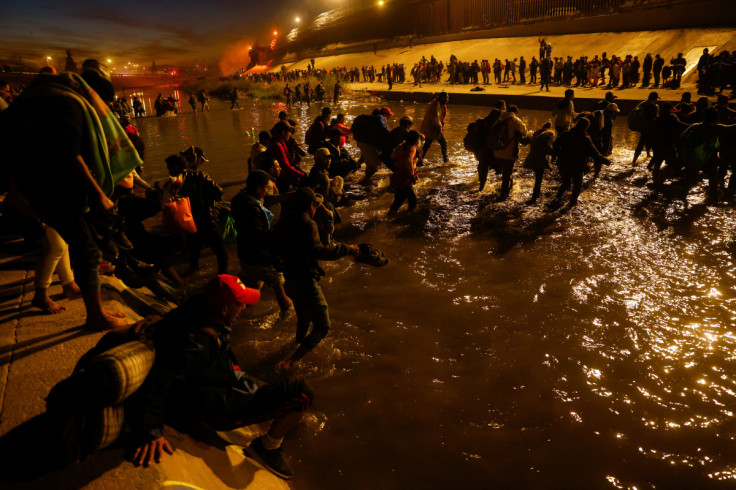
236, 56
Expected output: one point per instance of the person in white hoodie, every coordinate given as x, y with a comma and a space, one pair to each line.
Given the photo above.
514, 131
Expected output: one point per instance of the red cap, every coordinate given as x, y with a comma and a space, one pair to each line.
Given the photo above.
226, 289
386, 111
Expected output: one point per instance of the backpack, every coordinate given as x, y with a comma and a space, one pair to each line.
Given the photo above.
473, 140
314, 136
367, 129
636, 118
696, 148
498, 135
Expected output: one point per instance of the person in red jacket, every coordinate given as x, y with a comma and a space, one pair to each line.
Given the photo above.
290, 173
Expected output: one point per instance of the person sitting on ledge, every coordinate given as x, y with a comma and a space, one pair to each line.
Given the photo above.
196, 377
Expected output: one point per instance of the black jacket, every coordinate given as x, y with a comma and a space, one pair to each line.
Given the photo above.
300, 248
254, 233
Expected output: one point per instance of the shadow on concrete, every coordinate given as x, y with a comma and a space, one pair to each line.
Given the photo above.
32, 457
22, 263
29, 347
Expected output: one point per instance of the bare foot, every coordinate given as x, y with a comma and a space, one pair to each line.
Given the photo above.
47, 305
113, 314
108, 321
71, 290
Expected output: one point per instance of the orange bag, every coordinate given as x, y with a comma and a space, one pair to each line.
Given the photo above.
177, 217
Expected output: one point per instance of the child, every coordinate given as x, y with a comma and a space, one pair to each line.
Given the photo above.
406, 156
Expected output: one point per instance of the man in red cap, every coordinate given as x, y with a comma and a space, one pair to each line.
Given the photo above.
195, 378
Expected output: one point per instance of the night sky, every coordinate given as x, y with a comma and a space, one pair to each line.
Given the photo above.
180, 32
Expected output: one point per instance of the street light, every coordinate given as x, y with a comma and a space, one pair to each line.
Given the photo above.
298, 19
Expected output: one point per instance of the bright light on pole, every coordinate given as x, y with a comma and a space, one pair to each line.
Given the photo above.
298, 19
380, 3
275, 33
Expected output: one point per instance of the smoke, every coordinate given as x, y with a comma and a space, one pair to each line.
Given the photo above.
236, 56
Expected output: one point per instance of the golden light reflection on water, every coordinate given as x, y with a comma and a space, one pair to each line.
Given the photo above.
517, 334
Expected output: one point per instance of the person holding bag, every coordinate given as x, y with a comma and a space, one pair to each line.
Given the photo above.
202, 193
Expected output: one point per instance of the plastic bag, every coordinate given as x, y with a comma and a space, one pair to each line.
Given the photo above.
177, 217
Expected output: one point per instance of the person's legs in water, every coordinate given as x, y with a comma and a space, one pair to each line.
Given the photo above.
427, 144
399, 197
538, 176
443, 146
485, 162
411, 196
372, 159
577, 186
256, 276
565, 183
507, 167
639, 148
213, 239
311, 307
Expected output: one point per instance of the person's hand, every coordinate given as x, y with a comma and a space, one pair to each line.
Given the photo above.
106, 203
151, 451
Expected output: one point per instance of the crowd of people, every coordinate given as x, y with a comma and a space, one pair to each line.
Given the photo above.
716, 73
90, 202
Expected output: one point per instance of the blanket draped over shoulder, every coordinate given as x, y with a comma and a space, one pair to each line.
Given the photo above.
107, 150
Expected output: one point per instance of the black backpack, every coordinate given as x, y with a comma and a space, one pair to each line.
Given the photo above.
368, 129
475, 140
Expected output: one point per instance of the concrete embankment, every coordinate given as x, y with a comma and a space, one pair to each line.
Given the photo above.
39, 350
668, 43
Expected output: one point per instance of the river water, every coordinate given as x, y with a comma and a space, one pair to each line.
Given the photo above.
505, 345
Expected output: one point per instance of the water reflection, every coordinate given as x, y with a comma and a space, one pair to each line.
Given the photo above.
506, 346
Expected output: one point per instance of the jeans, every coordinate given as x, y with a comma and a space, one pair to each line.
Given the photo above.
311, 309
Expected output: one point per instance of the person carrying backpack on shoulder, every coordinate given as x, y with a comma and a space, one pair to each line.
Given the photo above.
504, 138
371, 134
641, 119
317, 132
476, 141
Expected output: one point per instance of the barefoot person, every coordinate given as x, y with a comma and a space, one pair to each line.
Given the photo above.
63, 173
54, 259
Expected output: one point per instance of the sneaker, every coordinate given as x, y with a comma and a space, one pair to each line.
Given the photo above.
272, 459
